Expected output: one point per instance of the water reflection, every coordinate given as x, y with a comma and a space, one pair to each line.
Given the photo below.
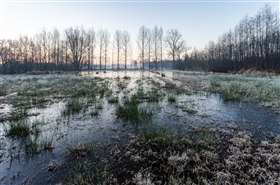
119, 73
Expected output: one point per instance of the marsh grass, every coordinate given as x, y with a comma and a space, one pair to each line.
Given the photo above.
54, 165
38, 122
3, 89
188, 110
126, 78
113, 99
46, 143
109, 93
121, 85
80, 92
29, 136
35, 124
18, 128
88, 172
130, 110
173, 88
140, 93
95, 108
202, 138
18, 114
82, 173
73, 106
31, 145
248, 88
94, 112
38, 102
169, 86
171, 98
154, 95
172, 157
155, 83
21, 102
102, 91
99, 106
80, 149
28, 91
159, 134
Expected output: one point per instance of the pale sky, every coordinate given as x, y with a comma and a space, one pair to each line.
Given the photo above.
198, 21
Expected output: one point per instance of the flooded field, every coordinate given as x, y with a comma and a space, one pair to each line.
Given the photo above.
135, 127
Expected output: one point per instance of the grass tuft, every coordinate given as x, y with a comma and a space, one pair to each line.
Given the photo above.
154, 96
130, 110
159, 134
3, 90
18, 128
46, 143
203, 138
31, 146
18, 114
54, 165
171, 98
73, 106
79, 149
113, 100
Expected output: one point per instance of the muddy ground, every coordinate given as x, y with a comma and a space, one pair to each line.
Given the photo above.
136, 127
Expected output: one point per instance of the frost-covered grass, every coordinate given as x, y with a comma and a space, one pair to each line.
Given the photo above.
3, 89
18, 128
171, 98
251, 88
200, 157
159, 135
73, 106
172, 152
131, 110
79, 149
240, 87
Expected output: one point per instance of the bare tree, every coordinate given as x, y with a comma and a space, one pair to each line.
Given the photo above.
141, 42
43, 42
155, 37
112, 61
78, 44
38, 49
4, 51
125, 42
176, 44
92, 43
25, 47
100, 42
181, 49
149, 45
55, 36
32, 51
65, 56
49, 47
253, 43
118, 45
106, 45
160, 37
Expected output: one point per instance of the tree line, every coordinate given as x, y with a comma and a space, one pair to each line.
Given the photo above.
253, 44
78, 48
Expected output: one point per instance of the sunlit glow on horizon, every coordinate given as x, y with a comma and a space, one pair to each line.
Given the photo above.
198, 21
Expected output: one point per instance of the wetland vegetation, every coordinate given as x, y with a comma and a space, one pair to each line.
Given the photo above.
263, 88
139, 127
